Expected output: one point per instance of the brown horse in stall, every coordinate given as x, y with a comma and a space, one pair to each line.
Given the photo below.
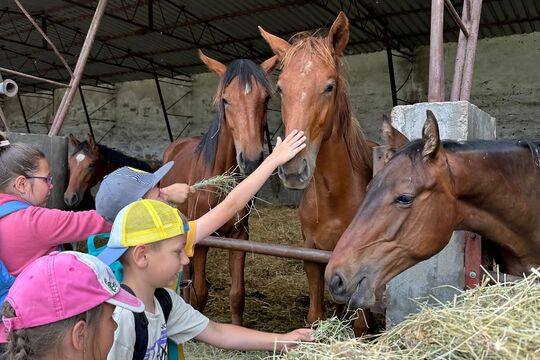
427, 190
336, 165
235, 138
88, 164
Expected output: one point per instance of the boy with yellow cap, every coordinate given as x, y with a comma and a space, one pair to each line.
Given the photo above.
151, 240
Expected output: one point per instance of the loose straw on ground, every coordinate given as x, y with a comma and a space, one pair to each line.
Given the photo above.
500, 321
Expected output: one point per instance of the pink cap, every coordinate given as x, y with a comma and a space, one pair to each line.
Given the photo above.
61, 285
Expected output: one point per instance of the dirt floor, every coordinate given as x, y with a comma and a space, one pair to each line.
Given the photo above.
276, 289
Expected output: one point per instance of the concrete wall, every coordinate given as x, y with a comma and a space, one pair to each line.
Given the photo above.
506, 85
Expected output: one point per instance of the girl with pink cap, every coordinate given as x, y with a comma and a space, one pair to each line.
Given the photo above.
61, 306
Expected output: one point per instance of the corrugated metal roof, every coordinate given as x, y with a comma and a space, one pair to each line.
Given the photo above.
131, 44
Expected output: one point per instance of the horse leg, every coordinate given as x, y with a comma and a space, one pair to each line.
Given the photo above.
199, 296
237, 295
315, 276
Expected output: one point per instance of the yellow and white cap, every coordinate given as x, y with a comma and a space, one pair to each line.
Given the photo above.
145, 222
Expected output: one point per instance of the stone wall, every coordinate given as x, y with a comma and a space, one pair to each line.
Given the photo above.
506, 85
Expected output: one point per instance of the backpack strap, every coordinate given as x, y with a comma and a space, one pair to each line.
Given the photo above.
141, 330
11, 207
165, 302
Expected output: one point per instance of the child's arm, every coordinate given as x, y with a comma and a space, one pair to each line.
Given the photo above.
241, 194
176, 193
227, 336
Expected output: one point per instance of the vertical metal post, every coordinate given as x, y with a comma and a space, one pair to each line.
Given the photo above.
268, 141
44, 28
460, 55
391, 72
86, 112
79, 69
466, 85
163, 107
473, 259
436, 52
23, 113
150, 14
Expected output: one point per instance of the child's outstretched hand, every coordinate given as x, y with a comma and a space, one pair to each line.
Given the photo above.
291, 339
176, 193
285, 150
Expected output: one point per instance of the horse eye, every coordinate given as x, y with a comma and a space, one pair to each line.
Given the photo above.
404, 199
329, 88
224, 101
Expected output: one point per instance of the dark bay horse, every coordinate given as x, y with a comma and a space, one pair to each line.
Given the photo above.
428, 189
88, 164
336, 165
235, 138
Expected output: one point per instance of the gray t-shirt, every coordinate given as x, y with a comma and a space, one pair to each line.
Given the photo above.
184, 324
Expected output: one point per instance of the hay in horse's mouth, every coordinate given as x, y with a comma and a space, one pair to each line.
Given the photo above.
363, 295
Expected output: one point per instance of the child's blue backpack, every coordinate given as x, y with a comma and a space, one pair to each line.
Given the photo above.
6, 279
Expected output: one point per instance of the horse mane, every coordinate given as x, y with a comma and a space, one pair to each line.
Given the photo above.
305, 45
414, 148
114, 156
246, 71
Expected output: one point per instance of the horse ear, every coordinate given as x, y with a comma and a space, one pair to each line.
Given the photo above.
338, 36
92, 143
393, 139
278, 45
270, 64
430, 137
73, 140
214, 65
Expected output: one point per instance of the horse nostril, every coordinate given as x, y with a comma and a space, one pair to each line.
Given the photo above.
280, 172
241, 159
337, 285
304, 176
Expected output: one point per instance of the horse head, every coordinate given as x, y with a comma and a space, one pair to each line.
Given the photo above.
312, 91
407, 216
82, 169
242, 100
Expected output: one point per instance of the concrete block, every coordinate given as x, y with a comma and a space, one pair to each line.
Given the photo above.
55, 149
440, 275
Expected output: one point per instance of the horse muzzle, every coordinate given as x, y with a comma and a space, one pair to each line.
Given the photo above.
71, 199
357, 293
248, 166
295, 177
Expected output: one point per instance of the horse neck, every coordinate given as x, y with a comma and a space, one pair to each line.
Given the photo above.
497, 195
109, 164
335, 163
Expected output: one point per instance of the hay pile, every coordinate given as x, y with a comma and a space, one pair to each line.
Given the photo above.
490, 322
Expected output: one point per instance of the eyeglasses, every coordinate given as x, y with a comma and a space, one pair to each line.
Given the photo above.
49, 178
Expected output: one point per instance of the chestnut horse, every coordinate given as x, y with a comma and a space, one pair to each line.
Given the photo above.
427, 190
235, 138
88, 164
336, 165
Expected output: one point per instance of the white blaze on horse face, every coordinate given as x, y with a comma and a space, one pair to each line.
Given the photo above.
307, 68
247, 89
80, 158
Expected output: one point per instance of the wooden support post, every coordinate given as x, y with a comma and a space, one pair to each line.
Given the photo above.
79, 69
436, 53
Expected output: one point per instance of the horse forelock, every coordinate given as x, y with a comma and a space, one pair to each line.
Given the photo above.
246, 71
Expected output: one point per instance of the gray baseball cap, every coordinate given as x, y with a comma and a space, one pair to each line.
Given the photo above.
124, 186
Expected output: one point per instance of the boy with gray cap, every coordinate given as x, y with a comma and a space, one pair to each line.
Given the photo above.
126, 185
